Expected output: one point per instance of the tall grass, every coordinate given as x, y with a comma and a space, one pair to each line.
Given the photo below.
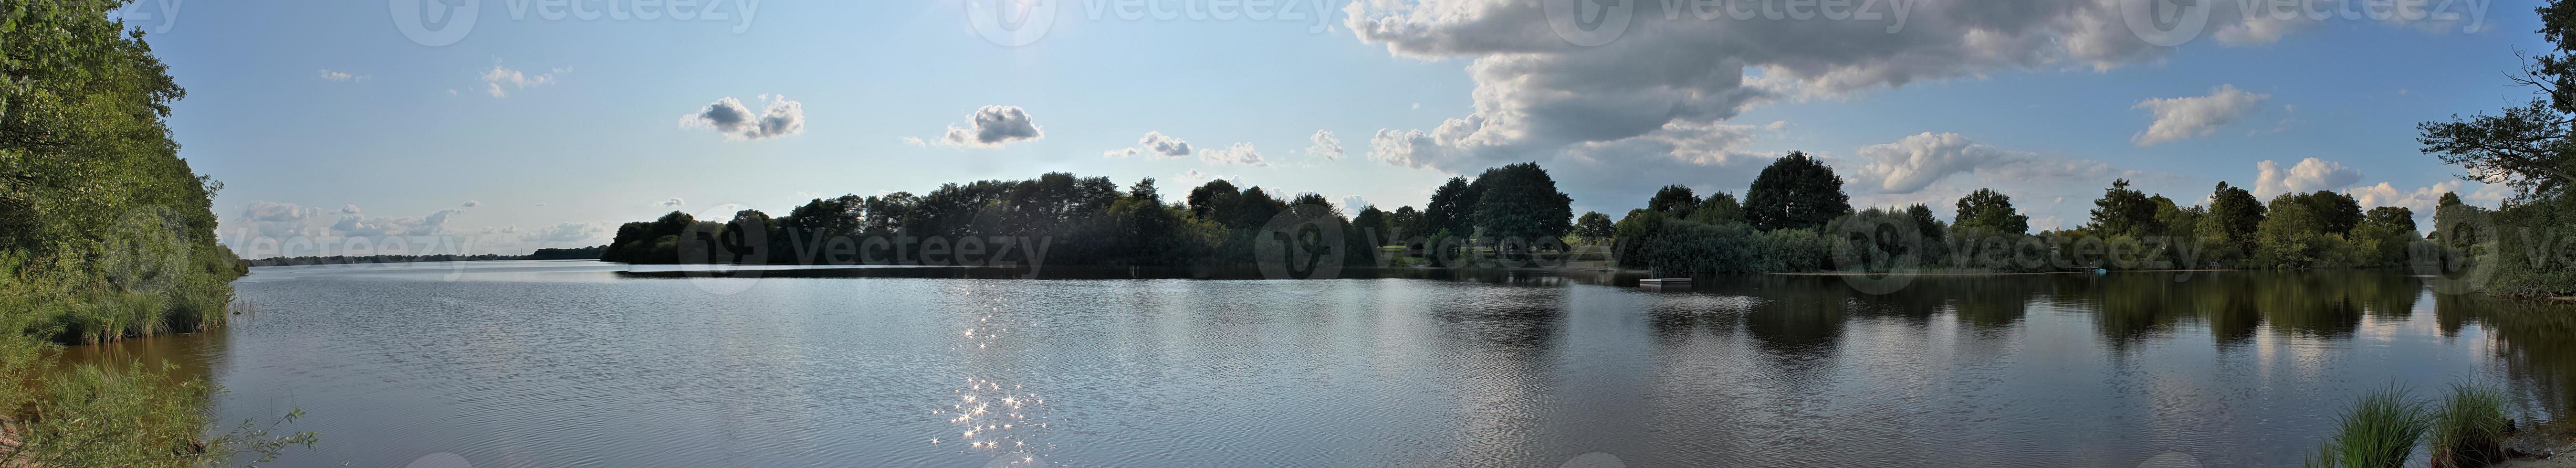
2380, 431
2470, 427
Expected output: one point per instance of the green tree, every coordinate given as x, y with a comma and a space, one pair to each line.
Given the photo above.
2340, 212
2291, 236
2124, 212
1521, 201
1676, 200
1593, 227
2233, 216
1718, 208
1992, 211
1796, 192
1452, 209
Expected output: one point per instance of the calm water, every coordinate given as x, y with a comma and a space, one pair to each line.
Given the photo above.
546, 364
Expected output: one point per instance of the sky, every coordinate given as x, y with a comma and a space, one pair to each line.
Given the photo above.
502, 126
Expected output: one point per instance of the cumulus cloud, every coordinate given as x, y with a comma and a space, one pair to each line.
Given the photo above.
2309, 175
567, 233
1154, 143
1351, 205
779, 117
500, 80
673, 202
2195, 116
1324, 144
1910, 164
992, 127
344, 77
1237, 154
1194, 178
473, 203
1539, 96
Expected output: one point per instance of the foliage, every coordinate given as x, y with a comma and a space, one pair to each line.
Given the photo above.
1593, 226
1520, 201
105, 234
2125, 212
2525, 147
2380, 431
1991, 211
1795, 192
2469, 428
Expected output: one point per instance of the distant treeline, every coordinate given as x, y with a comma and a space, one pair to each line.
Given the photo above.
1063, 219
584, 253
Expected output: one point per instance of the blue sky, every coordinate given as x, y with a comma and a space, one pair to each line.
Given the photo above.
325, 118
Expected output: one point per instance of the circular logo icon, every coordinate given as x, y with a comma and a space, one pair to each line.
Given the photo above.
435, 23
2166, 23
1873, 251
2461, 258
1011, 23
722, 258
147, 249
1589, 23
1304, 242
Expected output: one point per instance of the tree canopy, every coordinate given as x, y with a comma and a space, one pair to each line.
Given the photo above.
1796, 192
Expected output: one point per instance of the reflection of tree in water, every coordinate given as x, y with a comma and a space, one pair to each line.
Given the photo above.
1798, 322
2537, 343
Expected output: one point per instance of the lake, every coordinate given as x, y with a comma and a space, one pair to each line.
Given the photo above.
546, 364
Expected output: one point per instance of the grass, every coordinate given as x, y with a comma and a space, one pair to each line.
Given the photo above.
2470, 427
2380, 431
2467, 429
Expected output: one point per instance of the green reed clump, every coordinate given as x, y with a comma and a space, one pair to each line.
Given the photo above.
2470, 427
135, 417
2380, 431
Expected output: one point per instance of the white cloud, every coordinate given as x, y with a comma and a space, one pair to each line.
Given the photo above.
780, 117
1325, 145
344, 77
1194, 178
470, 203
1917, 161
992, 127
1351, 205
673, 202
2309, 175
1238, 154
500, 81
2196, 116
568, 233
1154, 143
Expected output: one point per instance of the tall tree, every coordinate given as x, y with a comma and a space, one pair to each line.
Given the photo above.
1718, 208
2124, 212
1521, 201
1593, 226
1989, 210
2339, 212
1676, 200
1452, 209
2233, 216
1795, 192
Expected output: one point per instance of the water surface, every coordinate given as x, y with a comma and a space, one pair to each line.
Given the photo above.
546, 364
